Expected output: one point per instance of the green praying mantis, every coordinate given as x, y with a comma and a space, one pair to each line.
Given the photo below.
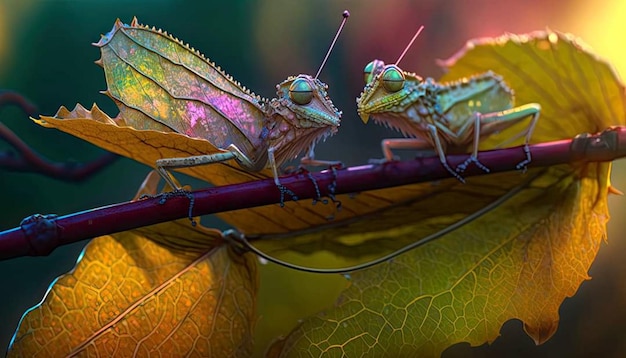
438, 115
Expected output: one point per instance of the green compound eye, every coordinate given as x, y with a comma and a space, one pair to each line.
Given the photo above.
367, 72
393, 79
301, 91
372, 69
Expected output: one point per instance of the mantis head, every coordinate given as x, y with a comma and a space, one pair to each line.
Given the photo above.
303, 114
388, 89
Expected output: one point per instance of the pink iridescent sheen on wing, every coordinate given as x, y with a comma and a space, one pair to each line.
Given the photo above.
159, 83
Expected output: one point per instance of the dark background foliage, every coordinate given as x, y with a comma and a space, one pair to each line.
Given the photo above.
46, 56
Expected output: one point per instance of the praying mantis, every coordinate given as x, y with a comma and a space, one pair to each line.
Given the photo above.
158, 82
438, 115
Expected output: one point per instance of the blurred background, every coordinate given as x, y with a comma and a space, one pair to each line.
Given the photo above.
45, 54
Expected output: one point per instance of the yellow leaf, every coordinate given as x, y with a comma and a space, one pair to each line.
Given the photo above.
517, 261
146, 146
166, 289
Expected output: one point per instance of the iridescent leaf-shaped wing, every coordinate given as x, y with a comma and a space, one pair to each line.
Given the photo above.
158, 83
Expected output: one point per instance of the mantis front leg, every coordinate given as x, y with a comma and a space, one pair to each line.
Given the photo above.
309, 159
419, 143
283, 189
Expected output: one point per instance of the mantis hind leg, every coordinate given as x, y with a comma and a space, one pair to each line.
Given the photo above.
163, 166
529, 132
488, 123
494, 122
474, 156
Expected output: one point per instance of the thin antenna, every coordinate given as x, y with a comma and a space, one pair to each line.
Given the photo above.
410, 43
345, 15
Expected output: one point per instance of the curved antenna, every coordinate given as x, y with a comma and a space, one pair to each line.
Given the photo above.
410, 43
345, 15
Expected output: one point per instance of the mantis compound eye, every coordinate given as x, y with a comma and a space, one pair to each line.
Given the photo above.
301, 91
371, 70
393, 79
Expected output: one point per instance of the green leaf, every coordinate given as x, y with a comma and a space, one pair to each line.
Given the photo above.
518, 261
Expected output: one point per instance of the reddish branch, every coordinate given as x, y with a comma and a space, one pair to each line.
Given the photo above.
28, 160
39, 235
8, 98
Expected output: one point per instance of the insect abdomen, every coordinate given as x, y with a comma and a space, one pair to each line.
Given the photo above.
483, 93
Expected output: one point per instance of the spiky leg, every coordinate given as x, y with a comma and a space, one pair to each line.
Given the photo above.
497, 121
233, 153
310, 160
164, 165
474, 156
531, 128
283, 189
440, 152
